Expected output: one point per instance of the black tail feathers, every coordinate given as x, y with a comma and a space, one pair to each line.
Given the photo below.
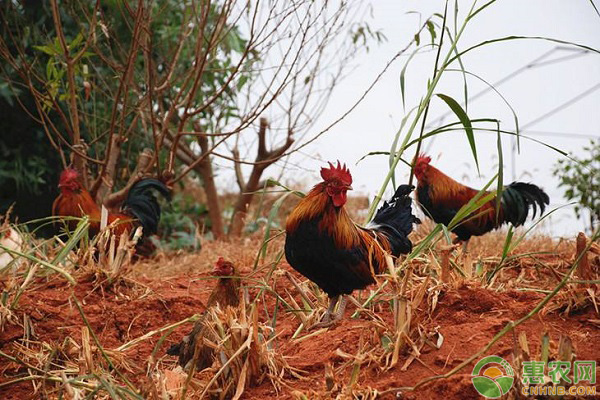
143, 205
395, 219
518, 198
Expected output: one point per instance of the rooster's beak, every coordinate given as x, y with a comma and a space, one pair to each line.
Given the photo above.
348, 187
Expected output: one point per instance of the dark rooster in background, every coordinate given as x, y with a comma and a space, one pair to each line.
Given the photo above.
441, 197
140, 208
225, 294
327, 247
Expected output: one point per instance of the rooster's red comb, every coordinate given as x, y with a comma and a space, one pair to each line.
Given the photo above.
422, 158
68, 175
223, 268
339, 172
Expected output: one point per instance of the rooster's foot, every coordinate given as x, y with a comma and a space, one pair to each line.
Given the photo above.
330, 317
326, 322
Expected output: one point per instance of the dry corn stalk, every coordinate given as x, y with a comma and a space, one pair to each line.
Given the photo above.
583, 267
445, 263
243, 356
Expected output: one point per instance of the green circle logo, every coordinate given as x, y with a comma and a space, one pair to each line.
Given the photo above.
492, 381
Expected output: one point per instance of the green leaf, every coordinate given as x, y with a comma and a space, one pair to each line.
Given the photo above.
466, 122
402, 74
76, 41
419, 248
235, 43
46, 49
242, 81
431, 29
386, 343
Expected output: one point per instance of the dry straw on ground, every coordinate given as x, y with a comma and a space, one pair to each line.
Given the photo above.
107, 334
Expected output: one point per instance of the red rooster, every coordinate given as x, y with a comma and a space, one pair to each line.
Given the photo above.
140, 207
327, 247
225, 294
441, 197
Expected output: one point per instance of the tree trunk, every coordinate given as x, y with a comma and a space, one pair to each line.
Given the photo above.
240, 209
204, 169
264, 158
212, 198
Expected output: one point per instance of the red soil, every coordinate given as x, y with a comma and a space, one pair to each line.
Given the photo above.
467, 317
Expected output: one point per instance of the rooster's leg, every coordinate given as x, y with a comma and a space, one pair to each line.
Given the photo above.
340, 312
332, 303
327, 318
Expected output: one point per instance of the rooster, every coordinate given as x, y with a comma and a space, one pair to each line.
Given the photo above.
225, 294
441, 197
140, 207
328, 248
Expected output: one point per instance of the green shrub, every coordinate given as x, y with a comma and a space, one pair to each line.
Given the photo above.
581, 180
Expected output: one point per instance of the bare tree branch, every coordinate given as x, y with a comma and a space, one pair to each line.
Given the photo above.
245, 198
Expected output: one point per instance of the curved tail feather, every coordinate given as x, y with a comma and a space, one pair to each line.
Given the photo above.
395, 219
518, 198
142, 204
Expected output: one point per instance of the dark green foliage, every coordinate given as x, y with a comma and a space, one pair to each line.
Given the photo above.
581, 180
29, 164
177, 228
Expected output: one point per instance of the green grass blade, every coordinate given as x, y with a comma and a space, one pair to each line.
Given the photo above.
80, 231
512, 110
513, 244
446, 234
480, 9
500, 185
287, 189
466, 122
515, 37
595, 8
425, 242
392, 152
402, 76
41, 262
507, 242
272, 215
474, 204
462, 69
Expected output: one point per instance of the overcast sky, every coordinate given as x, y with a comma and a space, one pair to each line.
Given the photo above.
532, 93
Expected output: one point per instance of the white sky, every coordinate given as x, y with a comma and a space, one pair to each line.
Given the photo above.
373, 124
